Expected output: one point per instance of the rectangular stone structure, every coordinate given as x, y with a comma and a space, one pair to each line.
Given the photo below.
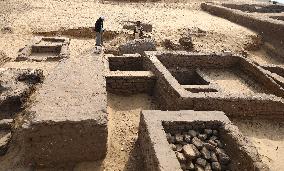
45, 49
158, 155
126, 75
264, 98
68, 119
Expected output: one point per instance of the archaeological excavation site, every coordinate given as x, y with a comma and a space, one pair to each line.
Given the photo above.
141, 85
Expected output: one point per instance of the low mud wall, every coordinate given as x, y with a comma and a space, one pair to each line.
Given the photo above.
166, 95
63, 143
269, 29
126, 63
272, 108
127, 83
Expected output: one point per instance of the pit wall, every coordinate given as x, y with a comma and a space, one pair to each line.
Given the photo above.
170, 95
270, 29
229, 135
127, 83
127, 62
158, 155
126, 75
61, 49
43, 142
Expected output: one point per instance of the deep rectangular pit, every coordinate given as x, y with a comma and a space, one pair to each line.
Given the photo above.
123, 63
189, 77
45, 50
225, 72
239, 87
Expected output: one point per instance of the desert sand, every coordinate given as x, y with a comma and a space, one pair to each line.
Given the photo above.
170, 21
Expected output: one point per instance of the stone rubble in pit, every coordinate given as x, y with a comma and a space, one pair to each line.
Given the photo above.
196, 154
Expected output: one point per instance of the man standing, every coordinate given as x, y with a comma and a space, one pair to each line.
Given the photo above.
138, 31
99, 28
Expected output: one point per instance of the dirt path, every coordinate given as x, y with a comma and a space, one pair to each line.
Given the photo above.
268, 137
124, 117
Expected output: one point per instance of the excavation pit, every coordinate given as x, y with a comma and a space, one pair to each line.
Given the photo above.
226, 146
127, 75
187, 77
132, 62
16, 87
45, 49
230, 83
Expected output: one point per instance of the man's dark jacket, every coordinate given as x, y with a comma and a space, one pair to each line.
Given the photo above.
99, 25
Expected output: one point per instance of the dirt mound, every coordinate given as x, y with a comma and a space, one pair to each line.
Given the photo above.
137, 46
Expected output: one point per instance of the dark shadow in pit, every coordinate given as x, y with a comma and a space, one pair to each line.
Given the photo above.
135, 161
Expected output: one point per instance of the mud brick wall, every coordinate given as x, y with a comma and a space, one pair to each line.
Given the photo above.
275, 69
158, 155
243, 106
256, 8
126, 63
166, 95
261, 78
240, 149
127, 85
188, 60
269, 29
52, 143
150, 160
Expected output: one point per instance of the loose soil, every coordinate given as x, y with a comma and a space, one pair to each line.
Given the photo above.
170, 21
268, 137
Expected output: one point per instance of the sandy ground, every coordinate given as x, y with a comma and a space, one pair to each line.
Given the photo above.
268, 137
169, 21
233, 82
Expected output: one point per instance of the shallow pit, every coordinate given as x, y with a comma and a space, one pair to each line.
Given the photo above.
189, 77
233, 81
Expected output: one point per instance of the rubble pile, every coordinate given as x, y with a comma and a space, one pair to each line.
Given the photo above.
199, 150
